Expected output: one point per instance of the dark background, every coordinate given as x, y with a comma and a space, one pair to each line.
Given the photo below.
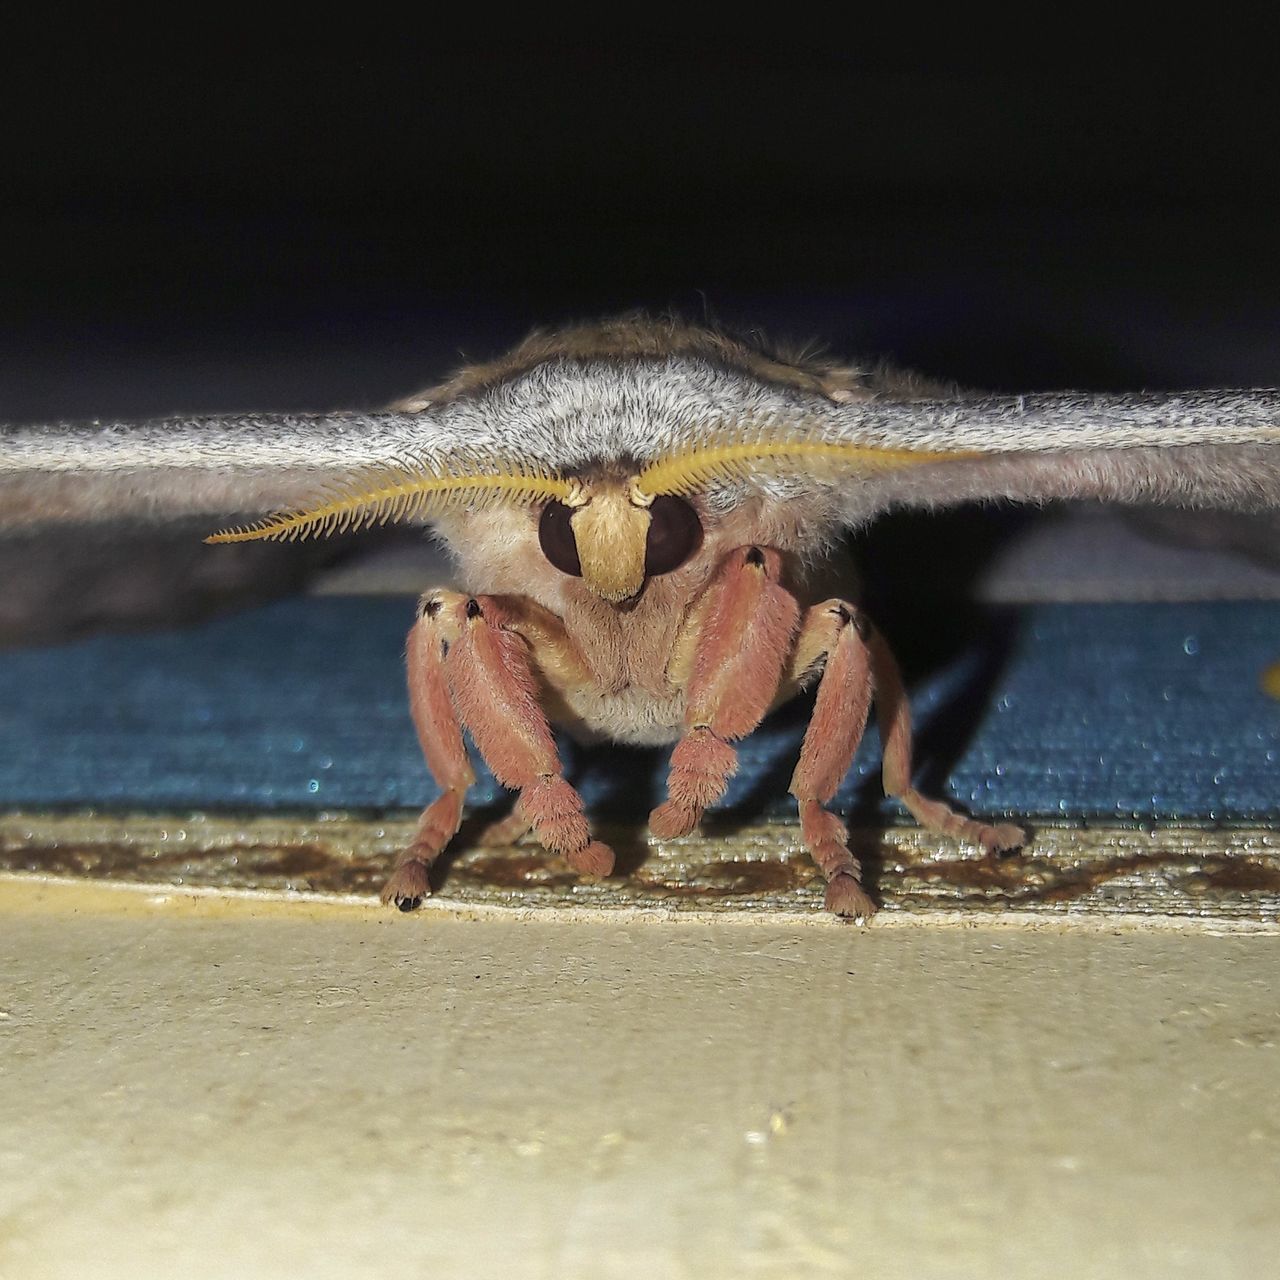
204, 225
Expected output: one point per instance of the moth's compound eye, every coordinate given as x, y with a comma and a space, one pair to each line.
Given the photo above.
555, 536
675, 533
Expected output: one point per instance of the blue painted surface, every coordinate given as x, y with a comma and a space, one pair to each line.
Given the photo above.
1132, 711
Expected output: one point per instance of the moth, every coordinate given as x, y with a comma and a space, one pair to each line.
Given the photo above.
644, 517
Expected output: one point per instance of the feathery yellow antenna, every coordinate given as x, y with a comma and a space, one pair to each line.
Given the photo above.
740, 454
409, 488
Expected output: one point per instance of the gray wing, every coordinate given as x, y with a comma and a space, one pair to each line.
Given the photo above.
197, 466
1203, 448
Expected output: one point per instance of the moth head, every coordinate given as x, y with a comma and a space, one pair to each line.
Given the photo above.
614, 535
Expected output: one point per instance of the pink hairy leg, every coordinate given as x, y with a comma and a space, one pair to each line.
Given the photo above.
504, 831
839, 718
561, 666
744, 634
440, 737
895, 729
858, 664
495, 694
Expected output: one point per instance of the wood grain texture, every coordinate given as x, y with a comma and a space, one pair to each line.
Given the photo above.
1195, 875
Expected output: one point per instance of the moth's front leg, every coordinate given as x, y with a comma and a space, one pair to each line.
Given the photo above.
743, 630
469, 669
440, 737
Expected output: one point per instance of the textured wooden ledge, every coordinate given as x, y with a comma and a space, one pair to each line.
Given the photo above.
1180, 872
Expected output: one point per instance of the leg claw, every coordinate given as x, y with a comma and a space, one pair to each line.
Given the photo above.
1005, 838
671, 820
407, 885
595, 860
846, 897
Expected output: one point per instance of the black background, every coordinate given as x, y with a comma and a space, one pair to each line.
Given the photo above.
222, 220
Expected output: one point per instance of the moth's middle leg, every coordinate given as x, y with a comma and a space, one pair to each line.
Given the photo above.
744, 629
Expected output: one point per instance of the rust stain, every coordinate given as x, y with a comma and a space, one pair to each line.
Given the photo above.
760, 877
1038, 881
536, 868
242, 866
1239, 875
727, 879
514, 870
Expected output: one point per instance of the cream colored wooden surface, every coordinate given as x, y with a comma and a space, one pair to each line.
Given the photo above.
229, 1087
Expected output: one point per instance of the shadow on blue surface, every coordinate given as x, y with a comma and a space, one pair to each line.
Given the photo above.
1147, 712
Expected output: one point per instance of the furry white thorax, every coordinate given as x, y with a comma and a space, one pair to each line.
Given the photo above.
568, 414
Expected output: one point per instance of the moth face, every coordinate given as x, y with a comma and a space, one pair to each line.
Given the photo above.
614, 536
521, 525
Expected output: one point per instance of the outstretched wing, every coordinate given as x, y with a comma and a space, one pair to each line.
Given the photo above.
1202, 448
198, 466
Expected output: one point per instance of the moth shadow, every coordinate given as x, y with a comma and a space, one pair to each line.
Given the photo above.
923, 577
944, 733
619, 786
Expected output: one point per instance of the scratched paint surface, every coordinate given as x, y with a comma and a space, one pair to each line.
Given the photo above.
1142, 712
